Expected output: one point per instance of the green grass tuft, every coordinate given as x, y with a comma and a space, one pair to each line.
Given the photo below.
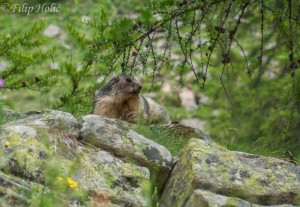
173, 141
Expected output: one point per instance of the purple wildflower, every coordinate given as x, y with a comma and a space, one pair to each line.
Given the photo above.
1, 83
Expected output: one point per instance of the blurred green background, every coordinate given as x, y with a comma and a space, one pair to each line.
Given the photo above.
255, 108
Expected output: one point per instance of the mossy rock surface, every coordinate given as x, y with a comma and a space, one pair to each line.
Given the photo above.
102, 157
118, 138
207, 198
207, 166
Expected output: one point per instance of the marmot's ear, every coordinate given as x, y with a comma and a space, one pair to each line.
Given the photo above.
116, 78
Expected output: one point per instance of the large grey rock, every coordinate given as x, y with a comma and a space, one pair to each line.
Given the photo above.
206, 198
243, 177
48, 119
110, 161
116, 137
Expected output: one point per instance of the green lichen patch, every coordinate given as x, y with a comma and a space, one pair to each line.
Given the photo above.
205, 166
23, 156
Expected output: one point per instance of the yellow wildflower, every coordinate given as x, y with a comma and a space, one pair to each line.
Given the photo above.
72, 183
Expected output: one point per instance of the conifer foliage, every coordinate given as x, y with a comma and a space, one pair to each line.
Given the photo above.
207, 34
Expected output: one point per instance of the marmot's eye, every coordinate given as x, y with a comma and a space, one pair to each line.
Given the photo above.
128, 80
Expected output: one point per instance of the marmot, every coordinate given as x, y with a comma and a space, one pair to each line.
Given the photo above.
120, 99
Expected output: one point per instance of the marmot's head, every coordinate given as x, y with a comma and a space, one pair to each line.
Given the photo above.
123, 85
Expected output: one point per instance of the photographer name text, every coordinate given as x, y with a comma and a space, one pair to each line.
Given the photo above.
28, 9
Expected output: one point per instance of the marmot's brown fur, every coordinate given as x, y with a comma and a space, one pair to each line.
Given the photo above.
121, 99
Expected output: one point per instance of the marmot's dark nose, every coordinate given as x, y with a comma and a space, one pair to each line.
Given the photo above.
138, 88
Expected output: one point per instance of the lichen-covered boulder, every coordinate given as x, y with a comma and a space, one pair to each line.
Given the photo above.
116, 137
209, 175
25, 142
207, 198
46, 144
49, 119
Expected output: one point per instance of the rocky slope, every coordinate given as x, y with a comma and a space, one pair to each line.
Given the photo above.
115, 166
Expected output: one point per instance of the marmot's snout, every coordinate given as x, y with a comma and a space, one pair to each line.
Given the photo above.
138, 88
